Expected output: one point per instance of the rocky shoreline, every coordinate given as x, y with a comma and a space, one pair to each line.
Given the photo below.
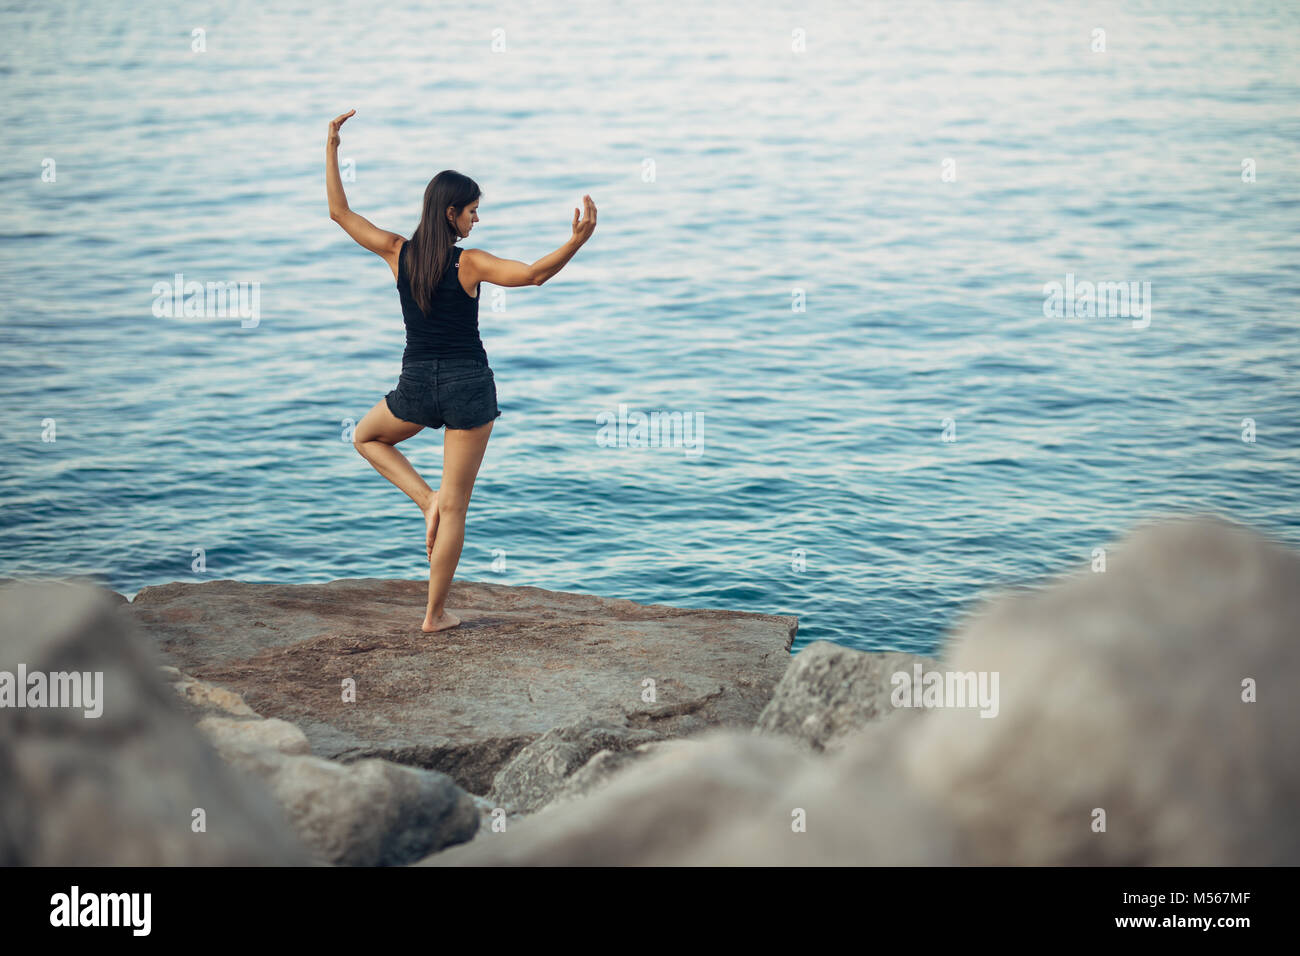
525, 662
287, 724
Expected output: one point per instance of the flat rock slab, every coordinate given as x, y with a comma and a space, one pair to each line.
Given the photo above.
524, 661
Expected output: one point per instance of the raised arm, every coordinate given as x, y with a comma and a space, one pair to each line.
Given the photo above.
379, 241
484, 267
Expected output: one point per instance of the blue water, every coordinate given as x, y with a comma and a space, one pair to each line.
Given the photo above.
773, 171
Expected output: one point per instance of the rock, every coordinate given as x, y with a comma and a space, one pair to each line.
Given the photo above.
119, 789
366, 813
858, 812
605, 765
525, 661
246, 738
487, 810
205, 699
589, 777
830, 691
1122, 691
727, 798
536, 772
73, 580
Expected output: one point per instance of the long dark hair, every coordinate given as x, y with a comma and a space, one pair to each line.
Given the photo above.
435, 236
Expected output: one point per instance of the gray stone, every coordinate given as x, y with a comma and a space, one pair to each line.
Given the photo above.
727, 798
73, 580
605, 765
247, 738
366, 813
463, 701
119, 789
829, 692
202, 699
534, 774
1122, 691
487, 810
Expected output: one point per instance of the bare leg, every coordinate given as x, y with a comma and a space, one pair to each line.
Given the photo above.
462, 453
374, 438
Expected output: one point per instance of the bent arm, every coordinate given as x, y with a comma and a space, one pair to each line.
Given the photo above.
379, 241
485, 267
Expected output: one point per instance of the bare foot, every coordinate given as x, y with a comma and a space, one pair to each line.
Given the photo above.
430, 524
443, 623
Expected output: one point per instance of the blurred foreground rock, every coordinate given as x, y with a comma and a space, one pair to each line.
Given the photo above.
119, 789
605, 765
1123, 692
1125, 731
1141, 716
366, 813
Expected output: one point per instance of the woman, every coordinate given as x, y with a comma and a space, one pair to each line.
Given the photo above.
445, 377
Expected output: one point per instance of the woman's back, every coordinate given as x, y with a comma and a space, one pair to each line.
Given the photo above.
450, 328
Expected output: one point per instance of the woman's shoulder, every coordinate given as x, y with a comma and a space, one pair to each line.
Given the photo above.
469, 259
398, 267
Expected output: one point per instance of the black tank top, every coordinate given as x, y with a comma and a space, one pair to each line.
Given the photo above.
450, 330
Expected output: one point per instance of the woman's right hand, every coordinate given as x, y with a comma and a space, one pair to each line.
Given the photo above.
582, 229
335, 123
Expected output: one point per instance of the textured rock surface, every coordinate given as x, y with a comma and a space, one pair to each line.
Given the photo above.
118, 789
365, 813
830, 691
525, 661
532, 777
1120, 691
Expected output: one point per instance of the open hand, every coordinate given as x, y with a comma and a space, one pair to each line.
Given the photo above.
335, 123
582, 229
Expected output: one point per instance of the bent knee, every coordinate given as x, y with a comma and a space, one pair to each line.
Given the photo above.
452, 503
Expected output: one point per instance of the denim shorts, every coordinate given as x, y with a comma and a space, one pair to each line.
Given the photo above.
458, 393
